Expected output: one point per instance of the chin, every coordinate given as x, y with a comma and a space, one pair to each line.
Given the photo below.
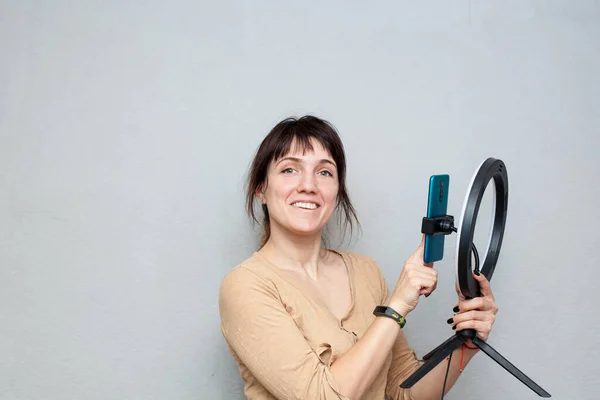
306, 230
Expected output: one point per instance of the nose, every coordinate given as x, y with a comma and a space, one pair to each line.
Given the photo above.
307, 184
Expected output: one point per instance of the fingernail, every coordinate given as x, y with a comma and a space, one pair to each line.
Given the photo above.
450, 320
456, 309
453, 327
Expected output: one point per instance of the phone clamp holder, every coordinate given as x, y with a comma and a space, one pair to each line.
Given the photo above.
490, 170
438, 226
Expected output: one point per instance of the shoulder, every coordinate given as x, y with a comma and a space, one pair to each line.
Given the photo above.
250, 281
364, 265
248, 276
248, 297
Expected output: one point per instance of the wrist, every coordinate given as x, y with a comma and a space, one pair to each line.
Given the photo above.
389, 312
468, 344
399, 307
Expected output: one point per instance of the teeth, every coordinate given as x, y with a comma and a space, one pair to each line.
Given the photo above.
310, 206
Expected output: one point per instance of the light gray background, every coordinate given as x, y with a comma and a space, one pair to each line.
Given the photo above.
126, 129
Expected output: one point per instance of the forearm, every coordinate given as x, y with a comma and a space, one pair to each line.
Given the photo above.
430, 386
366, 358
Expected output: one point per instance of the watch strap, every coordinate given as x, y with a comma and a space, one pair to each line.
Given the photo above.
389, 312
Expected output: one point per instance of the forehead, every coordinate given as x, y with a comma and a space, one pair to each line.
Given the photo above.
304, 149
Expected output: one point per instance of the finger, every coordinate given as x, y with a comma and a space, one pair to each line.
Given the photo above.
421, 268
432, 289
421, 256
456, 309
427, 291
424, 278
478, 303
417, 256
483, 328
422, 284
418, 253
424, 272
484, 284
472, 315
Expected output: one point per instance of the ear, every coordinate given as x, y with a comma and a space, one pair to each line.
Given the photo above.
260, 194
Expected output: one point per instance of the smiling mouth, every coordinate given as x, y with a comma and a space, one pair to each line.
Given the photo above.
305, 206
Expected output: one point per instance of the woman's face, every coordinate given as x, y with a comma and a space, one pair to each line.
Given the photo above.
301, 191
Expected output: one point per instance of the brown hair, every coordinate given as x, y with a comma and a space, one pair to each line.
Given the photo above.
278, 143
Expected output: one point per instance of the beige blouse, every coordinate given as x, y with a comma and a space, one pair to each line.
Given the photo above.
285, 341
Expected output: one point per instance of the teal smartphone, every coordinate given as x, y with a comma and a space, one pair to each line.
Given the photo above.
437, 206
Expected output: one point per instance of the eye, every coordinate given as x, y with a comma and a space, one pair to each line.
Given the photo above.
287, 171
326, 173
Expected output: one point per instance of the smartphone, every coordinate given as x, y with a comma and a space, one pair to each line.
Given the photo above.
437, 206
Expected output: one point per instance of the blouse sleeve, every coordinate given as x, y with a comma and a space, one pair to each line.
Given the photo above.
404, 359
266, 339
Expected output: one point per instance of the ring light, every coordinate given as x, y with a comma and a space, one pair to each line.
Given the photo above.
490, 169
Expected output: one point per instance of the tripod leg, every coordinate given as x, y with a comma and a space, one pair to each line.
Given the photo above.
428, 355
494, 355
434, 359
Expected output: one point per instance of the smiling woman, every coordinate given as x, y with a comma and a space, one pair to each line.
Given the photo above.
307, 322
301, 148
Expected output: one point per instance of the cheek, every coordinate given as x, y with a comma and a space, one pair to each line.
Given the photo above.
282, 189
331, 194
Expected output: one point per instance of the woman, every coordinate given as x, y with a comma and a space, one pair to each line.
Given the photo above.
298, 317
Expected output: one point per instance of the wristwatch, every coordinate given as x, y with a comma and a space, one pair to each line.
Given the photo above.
389, 312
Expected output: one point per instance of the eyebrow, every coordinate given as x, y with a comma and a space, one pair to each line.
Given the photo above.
296, 159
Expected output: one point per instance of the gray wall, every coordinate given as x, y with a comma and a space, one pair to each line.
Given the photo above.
126, 130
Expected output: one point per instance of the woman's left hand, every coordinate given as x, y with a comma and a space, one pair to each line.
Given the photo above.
478, 313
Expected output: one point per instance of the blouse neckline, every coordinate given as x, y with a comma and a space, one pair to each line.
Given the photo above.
288, 278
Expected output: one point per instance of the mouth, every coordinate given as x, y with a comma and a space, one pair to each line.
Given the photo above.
305, 205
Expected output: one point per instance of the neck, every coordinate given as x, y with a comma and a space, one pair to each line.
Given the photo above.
289, 251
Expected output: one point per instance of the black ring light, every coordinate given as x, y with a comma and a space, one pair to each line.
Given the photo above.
490, 169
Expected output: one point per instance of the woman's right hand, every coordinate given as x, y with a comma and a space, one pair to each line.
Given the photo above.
416, 279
